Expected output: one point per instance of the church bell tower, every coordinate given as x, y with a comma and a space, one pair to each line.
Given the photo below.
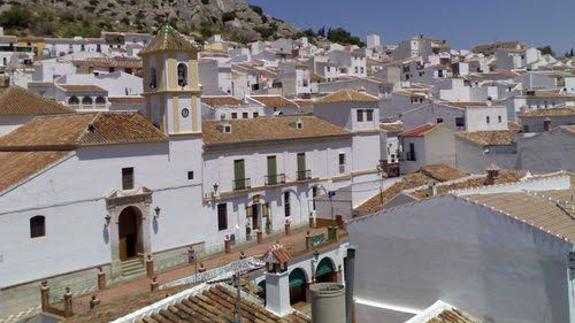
171, 85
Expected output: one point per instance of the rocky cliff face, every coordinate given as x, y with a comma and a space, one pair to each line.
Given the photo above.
201, 18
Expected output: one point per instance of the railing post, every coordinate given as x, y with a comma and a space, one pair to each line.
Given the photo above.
287, 227
149, 266
68, 303
94, 301
227, 244
308, 241
154, 286
45, 295
101, 278
259, 236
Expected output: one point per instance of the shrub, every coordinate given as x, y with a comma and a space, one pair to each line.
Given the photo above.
258, 10
228, 16
16, 17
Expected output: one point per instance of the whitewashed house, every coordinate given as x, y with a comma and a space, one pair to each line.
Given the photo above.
547, 151
267, 170
230, 108
539, 120
349, 63
480, 249
427, 144
357, 112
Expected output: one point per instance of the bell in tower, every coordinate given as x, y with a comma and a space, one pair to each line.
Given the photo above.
171, 86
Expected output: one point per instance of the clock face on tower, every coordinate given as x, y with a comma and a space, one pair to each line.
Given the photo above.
185, 112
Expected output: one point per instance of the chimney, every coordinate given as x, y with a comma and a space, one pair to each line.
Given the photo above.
277, 280
432, 190
492, 174
546, 124
327, 303
349, 272
489, 101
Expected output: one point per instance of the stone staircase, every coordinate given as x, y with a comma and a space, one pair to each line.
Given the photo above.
133, 268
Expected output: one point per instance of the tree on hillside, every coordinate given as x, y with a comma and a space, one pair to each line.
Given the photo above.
547, 50
344, 37
321, 31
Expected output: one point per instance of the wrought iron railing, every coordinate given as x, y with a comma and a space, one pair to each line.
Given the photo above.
275, 179
242, 184
303, 175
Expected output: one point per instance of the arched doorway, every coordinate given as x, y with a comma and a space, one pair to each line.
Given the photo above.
129, 225
325, 272
297, 286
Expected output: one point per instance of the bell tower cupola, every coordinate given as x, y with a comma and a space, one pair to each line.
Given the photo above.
171, 85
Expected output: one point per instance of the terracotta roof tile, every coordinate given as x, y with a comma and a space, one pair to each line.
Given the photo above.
269, 129
20, 165
277, 253
549, 211
418, 131
391, 127
505, 177
273, 101
126, 100
426, 175
551, 112
16, 101
489, 138
217, 304
73, 130
220, 101
106, 62
453, 316
347, 95
442, 172
72, 88
305, 104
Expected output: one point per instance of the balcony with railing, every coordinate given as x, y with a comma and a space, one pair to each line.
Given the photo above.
303, 175
275, 179
241, 184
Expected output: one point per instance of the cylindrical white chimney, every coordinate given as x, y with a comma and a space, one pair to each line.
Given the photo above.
327, 303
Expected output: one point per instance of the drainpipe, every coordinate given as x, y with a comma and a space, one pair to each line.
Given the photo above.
348, 269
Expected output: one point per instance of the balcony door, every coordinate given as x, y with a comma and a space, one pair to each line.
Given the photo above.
301, 167
239, 175
272, 171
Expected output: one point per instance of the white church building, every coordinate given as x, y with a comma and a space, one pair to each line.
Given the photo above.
105, 189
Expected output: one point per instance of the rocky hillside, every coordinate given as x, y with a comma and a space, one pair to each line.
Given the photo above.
235, 19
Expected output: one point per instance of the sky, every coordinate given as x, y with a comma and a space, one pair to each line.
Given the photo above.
463, 23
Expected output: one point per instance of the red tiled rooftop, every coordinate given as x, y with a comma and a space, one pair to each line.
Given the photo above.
418, 131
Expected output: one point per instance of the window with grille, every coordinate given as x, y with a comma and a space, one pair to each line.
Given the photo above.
287, 207
342, 162
369, 115
359, 115
127, 178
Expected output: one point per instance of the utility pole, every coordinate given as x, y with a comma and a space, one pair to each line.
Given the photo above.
382, 173
331, 230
